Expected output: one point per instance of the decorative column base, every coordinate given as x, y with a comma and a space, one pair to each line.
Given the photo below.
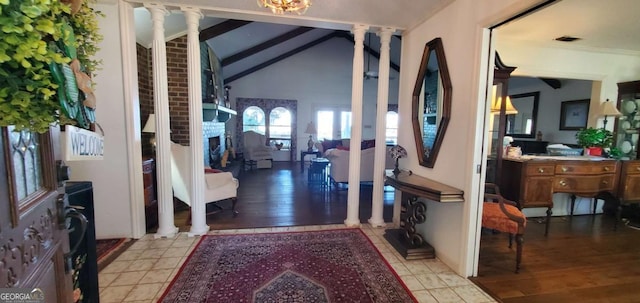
201, 231
409, 251
352, 223
170, 232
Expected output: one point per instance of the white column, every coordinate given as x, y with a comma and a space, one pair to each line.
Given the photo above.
353, 196
166, 226
377, 204
198, 207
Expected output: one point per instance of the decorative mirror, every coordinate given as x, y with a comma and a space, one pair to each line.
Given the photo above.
431, 107
522, 124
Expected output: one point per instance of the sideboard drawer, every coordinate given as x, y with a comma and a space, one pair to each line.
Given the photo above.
584, 184
589, 169
632, 168
540, 170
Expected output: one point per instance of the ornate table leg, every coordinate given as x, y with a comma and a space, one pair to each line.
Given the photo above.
409, 243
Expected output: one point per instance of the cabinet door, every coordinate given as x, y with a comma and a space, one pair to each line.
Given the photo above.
538, 192
627, 125
631, 190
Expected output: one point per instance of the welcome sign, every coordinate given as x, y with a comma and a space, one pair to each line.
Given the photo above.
80, 144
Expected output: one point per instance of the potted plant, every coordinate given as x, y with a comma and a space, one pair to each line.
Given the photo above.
594, 140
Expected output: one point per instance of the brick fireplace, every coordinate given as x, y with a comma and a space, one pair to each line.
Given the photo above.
213, 142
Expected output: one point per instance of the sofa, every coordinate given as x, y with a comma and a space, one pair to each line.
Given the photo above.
339, 159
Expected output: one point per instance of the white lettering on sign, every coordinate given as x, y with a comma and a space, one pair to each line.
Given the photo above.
80, 144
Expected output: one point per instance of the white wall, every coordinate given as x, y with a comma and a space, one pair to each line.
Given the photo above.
548, 121
317, 77
451, 227
110, 176
544, 61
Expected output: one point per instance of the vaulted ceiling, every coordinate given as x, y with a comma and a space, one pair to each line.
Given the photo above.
245, 46
247, 37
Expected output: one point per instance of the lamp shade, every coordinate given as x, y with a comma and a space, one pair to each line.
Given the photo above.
311, 128
608, 109
150, 126
509, 110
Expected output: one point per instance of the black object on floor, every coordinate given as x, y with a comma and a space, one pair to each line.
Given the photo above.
80, 195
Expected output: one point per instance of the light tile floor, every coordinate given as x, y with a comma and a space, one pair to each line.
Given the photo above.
144, 271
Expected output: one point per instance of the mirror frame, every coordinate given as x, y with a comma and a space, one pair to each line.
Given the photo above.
534, 115
433, 45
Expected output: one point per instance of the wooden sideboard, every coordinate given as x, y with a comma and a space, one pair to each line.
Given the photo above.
532, 181
150, 201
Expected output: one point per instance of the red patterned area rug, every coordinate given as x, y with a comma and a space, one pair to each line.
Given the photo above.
315, 266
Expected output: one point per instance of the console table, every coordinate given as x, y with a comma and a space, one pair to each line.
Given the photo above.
532, 181
409, 243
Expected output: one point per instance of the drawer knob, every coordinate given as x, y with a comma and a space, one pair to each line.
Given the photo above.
605, 182
606, 168
563, 183
541, 170
564, 169
637, 167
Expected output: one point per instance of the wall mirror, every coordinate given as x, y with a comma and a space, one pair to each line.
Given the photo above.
523, 123
431, 102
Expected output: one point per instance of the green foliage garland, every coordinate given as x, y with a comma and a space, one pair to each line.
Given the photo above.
28, 97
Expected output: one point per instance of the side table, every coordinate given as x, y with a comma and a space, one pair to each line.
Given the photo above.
305, 152
318, 172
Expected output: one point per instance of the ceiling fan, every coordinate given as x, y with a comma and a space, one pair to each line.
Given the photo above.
370, 74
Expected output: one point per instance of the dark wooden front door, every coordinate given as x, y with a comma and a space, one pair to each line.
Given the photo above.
33, 239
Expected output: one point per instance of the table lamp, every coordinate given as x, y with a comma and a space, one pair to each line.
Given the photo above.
311, 130
150, 127
608, 109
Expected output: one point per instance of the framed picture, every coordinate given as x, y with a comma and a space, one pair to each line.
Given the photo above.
574, 114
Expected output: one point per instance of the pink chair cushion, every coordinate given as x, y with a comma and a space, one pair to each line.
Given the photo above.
494, 218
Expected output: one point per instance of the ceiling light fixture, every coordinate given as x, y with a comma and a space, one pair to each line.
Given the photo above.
567, 39
284, 6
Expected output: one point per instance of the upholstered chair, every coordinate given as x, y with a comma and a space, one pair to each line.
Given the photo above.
218, 186
503, 215
256, 153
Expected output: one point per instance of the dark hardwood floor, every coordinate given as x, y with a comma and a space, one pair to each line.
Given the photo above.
282, 196
582, 260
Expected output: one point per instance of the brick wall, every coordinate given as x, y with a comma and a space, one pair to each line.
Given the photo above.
177, 76
145, 94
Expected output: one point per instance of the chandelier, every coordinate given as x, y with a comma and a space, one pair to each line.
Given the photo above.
282, 6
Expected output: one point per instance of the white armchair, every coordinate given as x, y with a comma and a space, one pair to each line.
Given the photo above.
218, 186
256, 153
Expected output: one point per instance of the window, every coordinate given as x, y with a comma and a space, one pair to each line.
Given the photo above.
391, 133
325, 124
253, 119
280, 127
334, 119
24, 150
345, 124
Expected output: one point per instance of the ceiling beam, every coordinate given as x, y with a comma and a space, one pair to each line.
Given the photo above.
554, 83
370, 51
262, 46
281, 57
221, 28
